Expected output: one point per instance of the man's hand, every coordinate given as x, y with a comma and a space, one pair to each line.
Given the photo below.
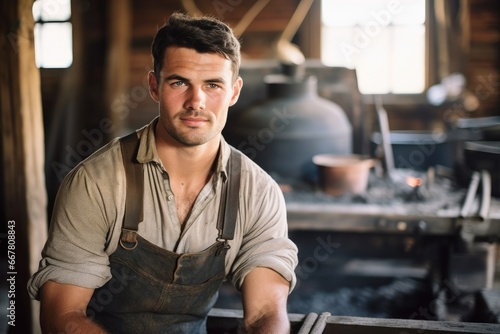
264, 295
63, 308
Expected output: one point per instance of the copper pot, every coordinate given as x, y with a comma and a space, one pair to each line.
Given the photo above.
342, 174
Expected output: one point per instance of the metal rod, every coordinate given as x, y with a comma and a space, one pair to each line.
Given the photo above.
471, 193
320, 324
484, 210
385, 134
308, 323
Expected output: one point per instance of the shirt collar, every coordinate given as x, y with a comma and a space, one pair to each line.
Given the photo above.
147, 150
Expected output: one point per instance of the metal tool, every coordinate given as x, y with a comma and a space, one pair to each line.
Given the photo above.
482, 214
383, 123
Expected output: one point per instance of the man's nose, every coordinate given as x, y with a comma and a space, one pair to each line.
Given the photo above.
196, 99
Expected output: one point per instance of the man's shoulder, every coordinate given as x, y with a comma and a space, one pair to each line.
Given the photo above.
112, 150
100, 165
108, 152
107, 162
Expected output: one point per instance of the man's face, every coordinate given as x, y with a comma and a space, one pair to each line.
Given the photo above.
194, 92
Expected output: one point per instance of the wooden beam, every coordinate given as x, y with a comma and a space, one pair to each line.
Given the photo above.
22, 152
226, 320
119, 20
360, 325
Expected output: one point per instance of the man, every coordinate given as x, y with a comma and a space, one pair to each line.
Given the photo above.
147, 254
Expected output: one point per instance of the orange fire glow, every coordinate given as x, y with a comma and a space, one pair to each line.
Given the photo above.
413, 181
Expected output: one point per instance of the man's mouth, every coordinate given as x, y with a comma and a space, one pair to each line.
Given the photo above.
193, 121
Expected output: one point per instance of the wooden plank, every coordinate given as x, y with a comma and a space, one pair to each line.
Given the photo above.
330, 219
117, 62
360, 325
22, 154
224, 320
331, 216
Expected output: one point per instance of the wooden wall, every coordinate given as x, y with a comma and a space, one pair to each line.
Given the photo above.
256, 40
77, 101
23, 197
146, 16
81, 111
483, 71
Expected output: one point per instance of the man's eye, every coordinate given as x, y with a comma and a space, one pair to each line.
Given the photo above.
178, 83
212, 85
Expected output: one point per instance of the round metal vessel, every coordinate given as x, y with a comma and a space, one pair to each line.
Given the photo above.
285, 130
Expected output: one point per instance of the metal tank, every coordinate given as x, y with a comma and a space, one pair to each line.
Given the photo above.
282, 132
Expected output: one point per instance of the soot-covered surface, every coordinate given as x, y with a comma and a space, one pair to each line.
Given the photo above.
353, 276
400, 298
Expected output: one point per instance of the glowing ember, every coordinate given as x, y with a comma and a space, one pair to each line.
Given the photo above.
413, 181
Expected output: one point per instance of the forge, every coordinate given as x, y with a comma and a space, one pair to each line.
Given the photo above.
401, 247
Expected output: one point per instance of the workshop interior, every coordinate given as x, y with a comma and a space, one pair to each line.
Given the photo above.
379, 120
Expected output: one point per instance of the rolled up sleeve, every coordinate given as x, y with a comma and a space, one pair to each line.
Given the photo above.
265, 241
75, 251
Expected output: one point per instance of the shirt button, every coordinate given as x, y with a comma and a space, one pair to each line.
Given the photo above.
170, 197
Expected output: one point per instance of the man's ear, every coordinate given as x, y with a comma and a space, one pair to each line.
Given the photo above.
237, 85
153, 86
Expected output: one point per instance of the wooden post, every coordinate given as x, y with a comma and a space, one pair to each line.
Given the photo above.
117, 63
22, 152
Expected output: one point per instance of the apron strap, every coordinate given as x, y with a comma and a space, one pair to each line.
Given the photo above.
135, 187
231, 195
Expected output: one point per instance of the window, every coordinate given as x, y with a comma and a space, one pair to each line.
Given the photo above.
384, 40
53, 33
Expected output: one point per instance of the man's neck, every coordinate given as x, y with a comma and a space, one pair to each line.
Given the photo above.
188, 163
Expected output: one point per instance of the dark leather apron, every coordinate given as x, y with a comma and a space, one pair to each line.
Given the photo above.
153, 290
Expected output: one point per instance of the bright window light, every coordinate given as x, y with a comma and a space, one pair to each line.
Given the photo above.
52, 10
53, 45
384, 40
53, 33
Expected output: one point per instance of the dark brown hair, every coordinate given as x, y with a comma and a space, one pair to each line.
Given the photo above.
203, 34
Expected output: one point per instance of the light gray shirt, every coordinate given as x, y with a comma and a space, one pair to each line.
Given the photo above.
89, 210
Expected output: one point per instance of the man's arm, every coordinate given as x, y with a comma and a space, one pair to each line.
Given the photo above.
63, 308
264, 295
